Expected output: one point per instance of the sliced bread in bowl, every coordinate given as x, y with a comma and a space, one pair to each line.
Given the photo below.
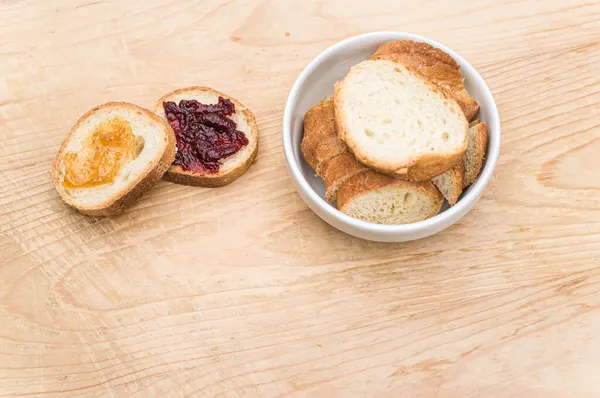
435, 65
122, 176
381, 199
354, 188
231, 167
397, 122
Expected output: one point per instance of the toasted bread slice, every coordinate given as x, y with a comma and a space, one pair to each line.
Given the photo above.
475, 155
320, 142
450, 183
325, 152
134, 177
336, 171
435, 65
397, 122
232, 167
378, 198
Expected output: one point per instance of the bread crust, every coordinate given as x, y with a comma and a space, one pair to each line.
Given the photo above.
370, 180
435, 65
480, 141
422, 168
325, 152
336, 171
152, 173
320, 142
455, 177
176, 173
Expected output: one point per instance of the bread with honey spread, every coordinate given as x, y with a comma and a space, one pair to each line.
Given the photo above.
113, 154
217, 136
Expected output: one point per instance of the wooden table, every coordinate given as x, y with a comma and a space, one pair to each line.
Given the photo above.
242, 291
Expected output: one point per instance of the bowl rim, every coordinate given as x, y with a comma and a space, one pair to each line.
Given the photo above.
454, 212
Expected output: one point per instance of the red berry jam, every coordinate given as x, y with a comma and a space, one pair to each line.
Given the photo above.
205, 135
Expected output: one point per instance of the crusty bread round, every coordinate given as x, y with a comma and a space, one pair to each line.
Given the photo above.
381, 199
435, 65
135, 177
397, 122
232, 167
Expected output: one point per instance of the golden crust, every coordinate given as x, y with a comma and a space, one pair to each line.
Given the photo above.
324, 152
320, 142
435, 65
177, 175
153, 172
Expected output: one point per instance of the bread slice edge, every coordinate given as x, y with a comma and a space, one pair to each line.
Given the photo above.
474, 158
372, 182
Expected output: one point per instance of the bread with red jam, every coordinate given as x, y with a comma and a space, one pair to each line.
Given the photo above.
217, 136
111, 157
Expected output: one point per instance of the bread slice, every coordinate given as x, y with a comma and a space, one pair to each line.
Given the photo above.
397, 122
320, 142
475, 155
435, 65
135, 176
450, 183
232, 167
336, 171
378, 198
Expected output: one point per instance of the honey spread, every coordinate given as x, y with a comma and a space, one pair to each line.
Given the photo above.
103, 155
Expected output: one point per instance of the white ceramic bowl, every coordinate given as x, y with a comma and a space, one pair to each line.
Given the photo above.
316, 82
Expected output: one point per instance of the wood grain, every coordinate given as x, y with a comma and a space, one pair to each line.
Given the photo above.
242, 291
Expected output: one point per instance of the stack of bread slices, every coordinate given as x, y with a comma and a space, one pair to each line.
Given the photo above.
153, 158
397, 136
